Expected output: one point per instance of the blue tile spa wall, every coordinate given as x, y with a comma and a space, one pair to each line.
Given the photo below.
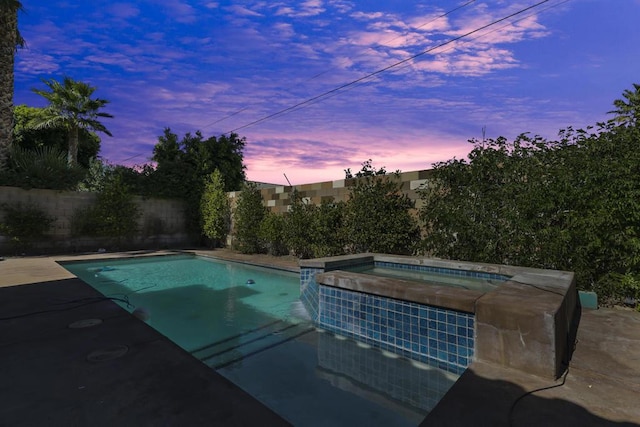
432, 335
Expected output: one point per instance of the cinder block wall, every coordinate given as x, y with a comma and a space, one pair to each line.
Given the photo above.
278, 198
161, 222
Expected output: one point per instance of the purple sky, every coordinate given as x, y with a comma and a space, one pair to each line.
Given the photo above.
218, 66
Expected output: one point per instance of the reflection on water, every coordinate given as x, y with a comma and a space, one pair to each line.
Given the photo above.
370, 370
319, 380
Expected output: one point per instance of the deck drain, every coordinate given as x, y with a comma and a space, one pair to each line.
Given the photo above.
85, 323
108, 353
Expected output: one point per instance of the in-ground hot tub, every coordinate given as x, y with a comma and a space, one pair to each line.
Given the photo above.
447, 313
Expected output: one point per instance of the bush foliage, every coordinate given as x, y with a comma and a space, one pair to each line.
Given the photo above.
23, 224
272, 234
571, 204
215, 210
248, 215
378, 217
113, 215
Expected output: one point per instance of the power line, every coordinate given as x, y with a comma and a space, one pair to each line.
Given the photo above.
382, 70
403, 35
332, 68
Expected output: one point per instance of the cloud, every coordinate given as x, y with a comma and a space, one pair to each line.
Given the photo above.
284, 30
123, 10
304, 9
177, 10
242, 11
29, 62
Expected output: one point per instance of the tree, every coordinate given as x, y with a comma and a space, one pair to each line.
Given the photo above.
366, 170
10, 41
26, 137
215, 210
71, 108
183, 165
628, 112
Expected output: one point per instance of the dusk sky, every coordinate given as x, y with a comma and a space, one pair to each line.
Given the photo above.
219, 66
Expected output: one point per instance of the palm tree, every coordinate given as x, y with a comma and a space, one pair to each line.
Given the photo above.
628, 112
10, 41
71, 108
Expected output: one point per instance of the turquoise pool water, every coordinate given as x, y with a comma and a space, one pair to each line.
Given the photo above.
484, 284
247, 323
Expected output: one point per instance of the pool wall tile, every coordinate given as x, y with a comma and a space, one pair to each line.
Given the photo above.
402, 327
432, 335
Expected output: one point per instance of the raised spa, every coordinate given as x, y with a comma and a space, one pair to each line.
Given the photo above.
446, 313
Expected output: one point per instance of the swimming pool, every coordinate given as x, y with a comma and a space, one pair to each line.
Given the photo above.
247, 323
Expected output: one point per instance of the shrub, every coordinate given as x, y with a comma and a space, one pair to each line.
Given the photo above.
272, 234
298, 231
378, 217
571, 205
23, 224
44, 167
248, 216
215, 210
114, 214
329, 235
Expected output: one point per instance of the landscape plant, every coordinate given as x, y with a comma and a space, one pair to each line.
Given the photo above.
248, 216
183, 165
272, 234
215, 210
27, 137
114, 215
571, 204
24, 224
328, 233
44, 167
71, 107
378, 217
299, 235
10, 41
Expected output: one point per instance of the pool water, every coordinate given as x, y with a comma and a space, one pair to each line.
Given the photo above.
248, 324
465, 282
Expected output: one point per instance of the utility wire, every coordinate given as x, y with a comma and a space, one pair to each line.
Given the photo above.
382, 70
479, 36
403, 35
359, 56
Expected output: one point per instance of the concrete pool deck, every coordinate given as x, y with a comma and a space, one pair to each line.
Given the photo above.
48, 379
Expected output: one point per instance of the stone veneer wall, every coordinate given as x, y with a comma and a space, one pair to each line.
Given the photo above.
161, 222
278, 198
